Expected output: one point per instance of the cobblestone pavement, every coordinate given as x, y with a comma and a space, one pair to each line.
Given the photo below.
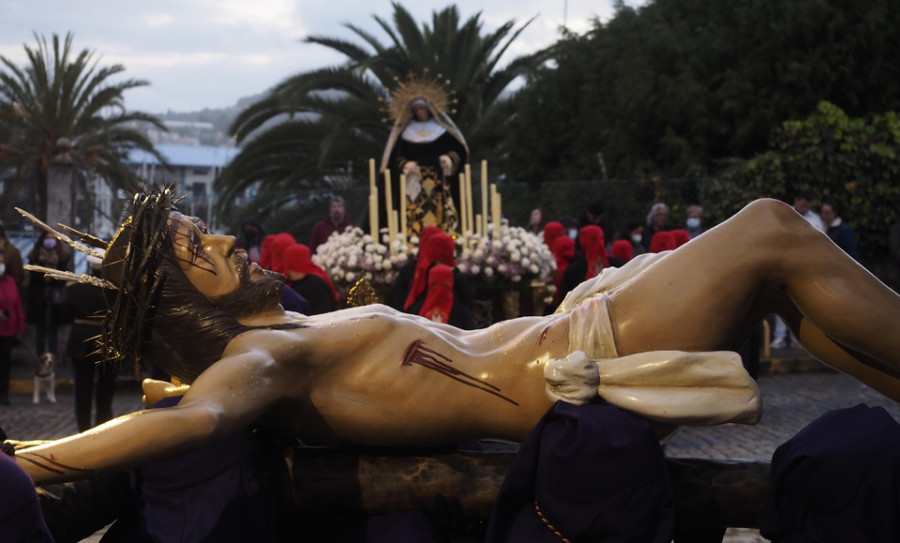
790, 402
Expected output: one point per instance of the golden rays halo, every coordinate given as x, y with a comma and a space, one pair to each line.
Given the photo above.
432, 90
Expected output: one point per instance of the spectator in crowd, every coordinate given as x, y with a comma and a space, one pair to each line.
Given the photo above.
404, 280
536, 221
594, 214
12, 257
46, 301
276, 248
662, 241
271, 258
441, 304
570, 224
265, 252
680, 236
563, 253
86, 305
693, 221
833, 215
588, 263
439, 249
12, 325
336, 221
621, 252
309, 281
633, 233
552, 231
803, 205
250, 238
657, 221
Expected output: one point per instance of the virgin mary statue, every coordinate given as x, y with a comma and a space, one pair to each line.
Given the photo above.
427, 147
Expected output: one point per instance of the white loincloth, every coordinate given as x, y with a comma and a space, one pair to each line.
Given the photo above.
669, 387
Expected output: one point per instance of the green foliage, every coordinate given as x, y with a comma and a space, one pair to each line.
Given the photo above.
326, 123
62, 105
679, 87
831, 154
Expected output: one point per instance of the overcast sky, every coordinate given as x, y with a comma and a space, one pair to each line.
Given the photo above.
210, 53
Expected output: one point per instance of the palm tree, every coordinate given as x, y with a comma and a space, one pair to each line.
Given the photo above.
65, 122
312, 125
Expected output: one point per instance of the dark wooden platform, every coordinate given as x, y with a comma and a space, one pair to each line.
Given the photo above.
318, 486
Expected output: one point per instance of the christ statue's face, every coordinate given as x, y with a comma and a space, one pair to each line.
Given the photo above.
220, 273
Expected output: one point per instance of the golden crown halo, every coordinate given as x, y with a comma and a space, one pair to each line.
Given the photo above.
434, 91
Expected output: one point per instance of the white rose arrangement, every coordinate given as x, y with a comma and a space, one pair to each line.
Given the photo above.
348, 256
515, 256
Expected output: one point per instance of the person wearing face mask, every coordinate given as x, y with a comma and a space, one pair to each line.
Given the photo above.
570, 226
694, 220
633, 233
46, 298
12, 324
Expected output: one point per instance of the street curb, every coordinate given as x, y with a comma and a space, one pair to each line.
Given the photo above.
25, 387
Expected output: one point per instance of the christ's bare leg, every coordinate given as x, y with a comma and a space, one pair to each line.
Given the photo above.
710, 293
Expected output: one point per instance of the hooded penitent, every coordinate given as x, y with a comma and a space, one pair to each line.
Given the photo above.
297, 259
439, 248
593, 247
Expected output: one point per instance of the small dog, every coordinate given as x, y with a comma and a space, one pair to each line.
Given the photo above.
45, 377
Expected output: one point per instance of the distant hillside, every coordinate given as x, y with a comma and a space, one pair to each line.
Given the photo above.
208, 126
220, 118
214, 122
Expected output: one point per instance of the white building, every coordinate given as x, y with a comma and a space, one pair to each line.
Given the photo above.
193, 167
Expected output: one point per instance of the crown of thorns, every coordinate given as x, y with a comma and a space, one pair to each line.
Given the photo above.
131, 273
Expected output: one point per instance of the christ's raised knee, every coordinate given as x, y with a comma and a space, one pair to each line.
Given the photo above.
772, 223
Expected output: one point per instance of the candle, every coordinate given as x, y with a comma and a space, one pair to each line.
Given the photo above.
463, 207
388, 203
484, 195
371, 174
478, 223
469, 205
403, 207
495, 212
499, 212
373, 213
392, 231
